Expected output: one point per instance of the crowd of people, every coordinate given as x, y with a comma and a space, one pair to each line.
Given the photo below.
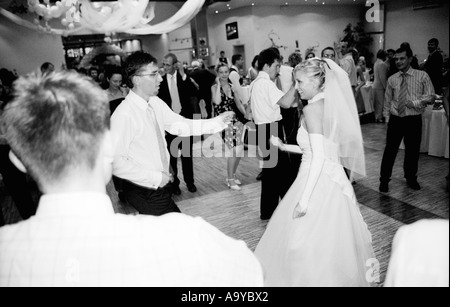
72, 133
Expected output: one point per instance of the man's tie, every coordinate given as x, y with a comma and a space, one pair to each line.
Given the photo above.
402, 96
161, 144
176, 103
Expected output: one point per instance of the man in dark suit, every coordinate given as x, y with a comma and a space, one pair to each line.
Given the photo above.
180, 94
434, 64
205, 79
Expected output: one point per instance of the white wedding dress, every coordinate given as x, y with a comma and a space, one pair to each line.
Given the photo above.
331, 244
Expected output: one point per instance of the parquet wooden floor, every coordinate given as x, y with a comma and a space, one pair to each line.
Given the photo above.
237, 213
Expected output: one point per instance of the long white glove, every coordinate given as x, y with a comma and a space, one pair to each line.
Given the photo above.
285, 147
318, 159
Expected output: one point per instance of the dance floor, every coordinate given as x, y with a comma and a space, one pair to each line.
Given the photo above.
237, 213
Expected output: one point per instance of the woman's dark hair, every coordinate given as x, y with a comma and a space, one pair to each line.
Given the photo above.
113, 70
255, 59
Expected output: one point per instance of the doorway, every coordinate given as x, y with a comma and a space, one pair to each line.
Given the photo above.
240, 49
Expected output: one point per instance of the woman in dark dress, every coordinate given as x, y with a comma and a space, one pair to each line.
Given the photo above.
225, 99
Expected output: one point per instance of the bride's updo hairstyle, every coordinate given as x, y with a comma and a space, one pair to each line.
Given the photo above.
314, 68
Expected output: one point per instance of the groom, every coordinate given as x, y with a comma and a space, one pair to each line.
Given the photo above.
266, 100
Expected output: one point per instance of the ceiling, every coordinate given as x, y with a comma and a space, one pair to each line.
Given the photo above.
235, 4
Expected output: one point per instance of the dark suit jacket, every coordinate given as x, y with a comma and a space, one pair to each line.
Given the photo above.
205, 79
433, 67
188, 96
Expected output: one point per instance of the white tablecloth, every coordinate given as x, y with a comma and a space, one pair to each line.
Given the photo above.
435, 133
367, 96
245, 94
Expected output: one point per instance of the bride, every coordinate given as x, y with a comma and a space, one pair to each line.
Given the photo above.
317, 236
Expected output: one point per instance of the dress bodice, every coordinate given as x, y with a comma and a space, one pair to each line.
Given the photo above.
330, 148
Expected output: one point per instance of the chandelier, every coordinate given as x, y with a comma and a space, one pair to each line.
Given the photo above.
69, 17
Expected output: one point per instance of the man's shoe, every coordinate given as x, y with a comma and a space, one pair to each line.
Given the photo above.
259, 177
384, 187
413, 184
192, 188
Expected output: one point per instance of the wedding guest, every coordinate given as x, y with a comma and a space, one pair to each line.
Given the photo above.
76, 239
414, 61
420, 255
391, 62
205, 79
225, 99
141, 156
434, 64
310, 55
181, 95
115, 91
347, 62
253, 71
381, 71
329, 53
408, 93
223, 59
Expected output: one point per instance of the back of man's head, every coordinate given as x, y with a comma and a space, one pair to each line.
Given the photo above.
268, 56
55, 124
295, 59
235, 58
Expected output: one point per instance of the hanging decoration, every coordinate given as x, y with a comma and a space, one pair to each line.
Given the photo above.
126, 16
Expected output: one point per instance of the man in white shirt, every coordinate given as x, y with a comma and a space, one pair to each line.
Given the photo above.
138, 125
59, 127
347, 63
223, 59
266, 100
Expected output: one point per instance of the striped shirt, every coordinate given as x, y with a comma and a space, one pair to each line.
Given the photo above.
420, 93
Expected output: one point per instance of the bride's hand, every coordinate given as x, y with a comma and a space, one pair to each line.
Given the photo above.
300, 210
277, 142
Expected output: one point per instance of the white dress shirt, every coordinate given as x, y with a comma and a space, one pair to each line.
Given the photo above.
137, 157
77, 240
420, 255
264, 97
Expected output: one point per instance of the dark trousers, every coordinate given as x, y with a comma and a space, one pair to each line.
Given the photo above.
147, 201
274, 183
409, 129
17, 185
185, 145
291, 124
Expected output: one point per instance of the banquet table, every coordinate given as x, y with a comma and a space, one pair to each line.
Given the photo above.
435, 133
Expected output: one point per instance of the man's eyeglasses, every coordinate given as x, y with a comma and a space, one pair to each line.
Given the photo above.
153, 75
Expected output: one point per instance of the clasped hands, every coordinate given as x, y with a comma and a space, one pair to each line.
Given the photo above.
277, 142
227, 117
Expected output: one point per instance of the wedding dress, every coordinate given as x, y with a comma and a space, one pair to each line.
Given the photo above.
329, 246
